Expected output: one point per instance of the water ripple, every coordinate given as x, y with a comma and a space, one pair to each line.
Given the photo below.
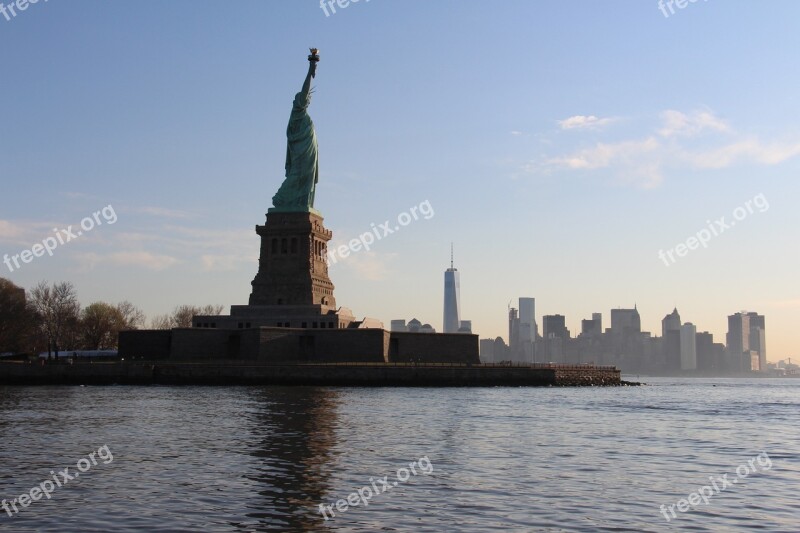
244, 459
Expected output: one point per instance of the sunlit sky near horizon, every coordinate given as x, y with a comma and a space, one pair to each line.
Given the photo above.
561, 145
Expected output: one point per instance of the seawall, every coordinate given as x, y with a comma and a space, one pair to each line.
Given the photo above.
318, 374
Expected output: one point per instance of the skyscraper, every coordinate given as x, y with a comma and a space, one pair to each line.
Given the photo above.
556, 336
487, 350
747, 338
671, 322
625, 340
758, 341
593, 327
527, 327
452, 298
625, 321
705, 353
688, 338
672, 342
758, 344
554, 326
513, 335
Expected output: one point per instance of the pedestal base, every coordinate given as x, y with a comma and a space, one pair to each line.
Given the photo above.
292, 269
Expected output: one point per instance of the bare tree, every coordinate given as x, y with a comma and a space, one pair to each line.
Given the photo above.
132, 316
58, 310
210, 310
100, 326
161, 322
181, 316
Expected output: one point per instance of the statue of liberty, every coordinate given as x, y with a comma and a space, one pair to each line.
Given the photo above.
296, 194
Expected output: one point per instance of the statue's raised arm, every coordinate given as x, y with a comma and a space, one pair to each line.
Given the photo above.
312, 72
313, 59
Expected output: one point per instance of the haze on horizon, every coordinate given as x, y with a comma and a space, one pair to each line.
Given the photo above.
559, 160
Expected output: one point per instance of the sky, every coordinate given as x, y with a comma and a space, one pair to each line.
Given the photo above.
560, 146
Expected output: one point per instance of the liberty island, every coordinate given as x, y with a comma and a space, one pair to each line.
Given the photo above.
292, 331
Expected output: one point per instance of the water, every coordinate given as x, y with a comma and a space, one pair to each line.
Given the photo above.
502, 459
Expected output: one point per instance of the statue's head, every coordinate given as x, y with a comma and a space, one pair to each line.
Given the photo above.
301, 101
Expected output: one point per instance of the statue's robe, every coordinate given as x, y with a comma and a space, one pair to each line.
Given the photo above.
302, 159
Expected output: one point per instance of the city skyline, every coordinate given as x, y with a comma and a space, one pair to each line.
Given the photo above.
560, 163
682, 348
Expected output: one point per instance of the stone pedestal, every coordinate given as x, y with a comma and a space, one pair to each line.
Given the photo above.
292, 269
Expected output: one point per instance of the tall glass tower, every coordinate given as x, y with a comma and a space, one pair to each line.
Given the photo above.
527, 328
452, 298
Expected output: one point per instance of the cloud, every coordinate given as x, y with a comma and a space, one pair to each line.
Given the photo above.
783, 304
604, 155
639, 161
144, 260
162, 212
25, 232
749, 150
156, 243
687, 125
225, 263
517, 133
9, 230
209, 250
74, 195
582, 122
370, 265
643, 162
212, 250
